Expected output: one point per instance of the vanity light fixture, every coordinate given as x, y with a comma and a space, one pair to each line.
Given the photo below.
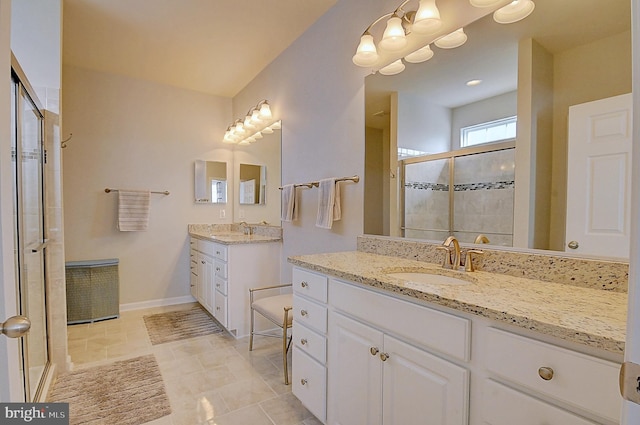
257, 122
422, 54
393, 68
472, 83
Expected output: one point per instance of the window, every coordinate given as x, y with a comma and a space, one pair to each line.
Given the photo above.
492, 131
408, 153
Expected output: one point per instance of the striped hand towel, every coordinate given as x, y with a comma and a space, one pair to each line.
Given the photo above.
328, 203
133, 210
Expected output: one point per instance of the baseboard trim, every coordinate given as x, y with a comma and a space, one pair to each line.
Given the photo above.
157, 303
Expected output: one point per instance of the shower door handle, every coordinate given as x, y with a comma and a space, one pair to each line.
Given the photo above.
15, 326
41, 246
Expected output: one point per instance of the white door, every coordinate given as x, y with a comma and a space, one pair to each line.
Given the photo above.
422, 388
355, 375
599, 177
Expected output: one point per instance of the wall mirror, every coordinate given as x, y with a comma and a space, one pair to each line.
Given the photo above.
253, 184
578, 51
210, 182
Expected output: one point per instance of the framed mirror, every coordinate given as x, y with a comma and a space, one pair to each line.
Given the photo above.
565, 53
210, 182
253, 184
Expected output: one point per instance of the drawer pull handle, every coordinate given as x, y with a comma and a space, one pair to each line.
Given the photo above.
545, 373
304, 312
303, 381
384, 356
303, 341
374, 351
304, 284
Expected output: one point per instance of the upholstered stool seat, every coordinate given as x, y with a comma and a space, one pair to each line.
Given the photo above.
277, 309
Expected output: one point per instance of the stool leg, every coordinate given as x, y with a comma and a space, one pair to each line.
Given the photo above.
251, 333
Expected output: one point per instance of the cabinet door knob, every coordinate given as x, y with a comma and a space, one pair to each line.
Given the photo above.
303, 381
304, 284
202, 261
545, 373
573, 245
384, 356
303, 312
374, 351
303, 341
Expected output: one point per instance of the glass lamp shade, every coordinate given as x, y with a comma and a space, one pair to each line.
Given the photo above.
394, 37
427, 19
422, 54
267, 130
453, 40
393, 68
255, 117
239, 128
515, 11
265, 112
276, 125
484, 3
366, 54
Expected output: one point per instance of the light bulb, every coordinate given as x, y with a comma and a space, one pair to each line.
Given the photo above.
366, 53
422, 54
393, 68
265, 111
515, 11
427, 19
394, 37
239, 127
453, 40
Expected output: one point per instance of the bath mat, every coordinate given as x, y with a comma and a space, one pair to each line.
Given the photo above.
182, 324
127, 392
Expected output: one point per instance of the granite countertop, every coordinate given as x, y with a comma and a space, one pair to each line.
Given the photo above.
587, 316
232, 238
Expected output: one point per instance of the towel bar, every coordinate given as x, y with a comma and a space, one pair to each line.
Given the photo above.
164, 192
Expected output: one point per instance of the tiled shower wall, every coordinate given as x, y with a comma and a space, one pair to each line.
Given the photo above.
483, 192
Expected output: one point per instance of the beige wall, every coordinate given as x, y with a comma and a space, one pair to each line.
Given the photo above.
134, 134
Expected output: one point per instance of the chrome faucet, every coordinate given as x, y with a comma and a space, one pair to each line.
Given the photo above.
455, 262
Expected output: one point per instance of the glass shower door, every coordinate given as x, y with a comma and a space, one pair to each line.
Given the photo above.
30, 241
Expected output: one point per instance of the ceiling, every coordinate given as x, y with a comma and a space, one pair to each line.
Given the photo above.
211, 46
490, 54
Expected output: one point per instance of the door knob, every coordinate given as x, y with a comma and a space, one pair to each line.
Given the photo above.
15, 326
374, 350
573, 244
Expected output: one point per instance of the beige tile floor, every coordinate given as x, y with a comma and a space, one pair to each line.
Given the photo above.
209, 380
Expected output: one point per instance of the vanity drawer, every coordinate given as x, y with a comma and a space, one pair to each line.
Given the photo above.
220, 269
310, 342
504, 406
309, 384
205, 247
220, 252
221, 285
312, 285
451, 336
310, 314
583, 381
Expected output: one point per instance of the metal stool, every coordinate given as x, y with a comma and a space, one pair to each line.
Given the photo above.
277, 309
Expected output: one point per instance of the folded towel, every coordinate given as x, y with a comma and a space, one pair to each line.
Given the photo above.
328, 203
133, 210
289, 210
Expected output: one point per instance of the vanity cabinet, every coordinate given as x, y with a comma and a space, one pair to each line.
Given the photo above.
226, 272
375, 377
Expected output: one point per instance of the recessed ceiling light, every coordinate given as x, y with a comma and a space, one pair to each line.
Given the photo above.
471, 83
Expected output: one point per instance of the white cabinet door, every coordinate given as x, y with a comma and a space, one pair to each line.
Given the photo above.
206, 278
421, 387
355, 372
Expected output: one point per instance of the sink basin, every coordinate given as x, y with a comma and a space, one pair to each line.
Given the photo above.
429, 278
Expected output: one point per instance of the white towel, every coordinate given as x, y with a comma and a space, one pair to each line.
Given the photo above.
289, 210
133, 210
328, 203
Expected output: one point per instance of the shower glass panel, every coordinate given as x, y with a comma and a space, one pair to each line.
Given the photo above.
28, 154
426, 199
484, 187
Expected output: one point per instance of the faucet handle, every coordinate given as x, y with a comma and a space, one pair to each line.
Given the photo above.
468, 264
446, 260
